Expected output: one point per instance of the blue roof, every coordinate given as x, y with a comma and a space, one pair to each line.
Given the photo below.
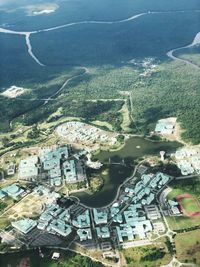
13, 190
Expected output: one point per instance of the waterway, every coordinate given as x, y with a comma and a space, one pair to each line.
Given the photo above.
134, 148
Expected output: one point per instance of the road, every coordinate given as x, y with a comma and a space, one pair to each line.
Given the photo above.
195, 42
86, 71
28, 34
187, 177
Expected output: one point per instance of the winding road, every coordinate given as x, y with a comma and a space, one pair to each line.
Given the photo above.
28, 34
86, 71
195, 42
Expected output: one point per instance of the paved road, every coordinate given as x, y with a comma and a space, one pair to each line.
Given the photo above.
195, 42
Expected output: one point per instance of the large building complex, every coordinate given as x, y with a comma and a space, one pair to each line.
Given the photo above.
55, 164
165, 126
131, 218
188, 160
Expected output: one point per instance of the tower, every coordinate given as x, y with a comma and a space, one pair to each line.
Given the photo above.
162, 155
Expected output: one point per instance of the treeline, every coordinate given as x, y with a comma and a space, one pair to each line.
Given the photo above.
173, 91
99, 110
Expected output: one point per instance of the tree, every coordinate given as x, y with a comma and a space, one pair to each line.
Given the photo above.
34, 133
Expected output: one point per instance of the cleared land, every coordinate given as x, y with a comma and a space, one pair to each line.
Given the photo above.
188, 247
150, 256
29, 206
14, 91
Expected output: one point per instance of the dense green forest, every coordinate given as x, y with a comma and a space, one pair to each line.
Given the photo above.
68, 259
106, 50
172, 90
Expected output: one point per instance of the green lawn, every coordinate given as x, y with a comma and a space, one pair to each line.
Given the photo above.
175, 192
151, 256
188, 247
5, 204
182, 222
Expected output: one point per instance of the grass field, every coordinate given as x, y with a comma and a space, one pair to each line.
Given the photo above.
177, 223
29, 206
180, 187
190, 205
188, 247
126, 118
151, 256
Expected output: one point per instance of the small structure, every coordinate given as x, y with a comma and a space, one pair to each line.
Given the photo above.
162, 155
24, 225
55, 256
11, 169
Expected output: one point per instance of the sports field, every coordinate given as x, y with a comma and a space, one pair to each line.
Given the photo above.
190, 206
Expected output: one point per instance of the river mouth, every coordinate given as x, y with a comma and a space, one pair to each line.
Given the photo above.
134, 149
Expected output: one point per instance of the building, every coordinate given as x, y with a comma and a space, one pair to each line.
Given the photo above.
11, 169
13, 191
24, 226
165, 126
55, 220
2, 194
55, 256
153, 212
159, 180
28, 168
116, 215
159, 227
69, 170
60, 227
174, 207
61, 169
100, 217
41, 190
141, 228
48, 154
82, 220
84, 234
103, 232
124, 233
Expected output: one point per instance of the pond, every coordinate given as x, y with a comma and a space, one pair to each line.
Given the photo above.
134, 148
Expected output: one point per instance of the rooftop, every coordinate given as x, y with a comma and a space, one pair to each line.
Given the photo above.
25, 225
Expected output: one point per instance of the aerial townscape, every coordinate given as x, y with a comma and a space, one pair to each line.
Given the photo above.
99, 133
